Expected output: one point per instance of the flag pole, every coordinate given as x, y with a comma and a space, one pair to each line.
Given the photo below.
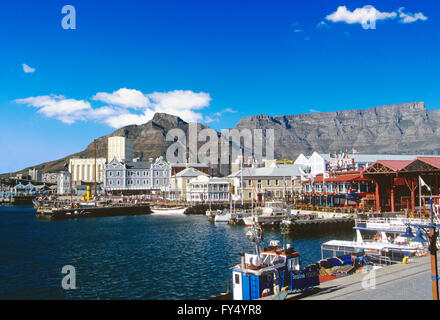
420, 195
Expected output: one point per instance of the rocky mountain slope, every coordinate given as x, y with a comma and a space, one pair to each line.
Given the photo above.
407, 128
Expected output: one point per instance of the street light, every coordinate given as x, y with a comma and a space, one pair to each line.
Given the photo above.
432, 239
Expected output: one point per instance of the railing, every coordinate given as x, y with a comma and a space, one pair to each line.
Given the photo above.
394, 224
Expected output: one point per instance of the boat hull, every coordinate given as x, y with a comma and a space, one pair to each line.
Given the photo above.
93, 212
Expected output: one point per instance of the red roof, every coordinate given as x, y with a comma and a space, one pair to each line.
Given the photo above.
341, 178
395, 165
433, 161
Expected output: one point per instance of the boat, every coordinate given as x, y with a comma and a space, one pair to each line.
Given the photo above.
272, 212
87, 209
389, 244
222, 216
168, 211
274, 270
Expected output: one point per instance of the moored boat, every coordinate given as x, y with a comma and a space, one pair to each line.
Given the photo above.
274, 270
88, 209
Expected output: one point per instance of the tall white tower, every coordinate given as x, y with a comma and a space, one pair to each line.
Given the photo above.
120, 148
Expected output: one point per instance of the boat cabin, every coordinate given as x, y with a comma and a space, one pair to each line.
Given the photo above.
270, 271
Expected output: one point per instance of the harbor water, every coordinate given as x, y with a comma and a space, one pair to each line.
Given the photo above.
132, 257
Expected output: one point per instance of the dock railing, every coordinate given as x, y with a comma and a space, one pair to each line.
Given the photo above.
391, 224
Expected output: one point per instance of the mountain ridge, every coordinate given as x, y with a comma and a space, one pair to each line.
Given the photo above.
407, 128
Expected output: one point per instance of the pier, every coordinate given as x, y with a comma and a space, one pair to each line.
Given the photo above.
410, 281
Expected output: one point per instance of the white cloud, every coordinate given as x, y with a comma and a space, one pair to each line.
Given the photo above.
126, 106
314, 111
58, 107
127, 98
410, 17
367, 14
27, 69
297, 30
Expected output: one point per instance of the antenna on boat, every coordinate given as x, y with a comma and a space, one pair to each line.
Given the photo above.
255, 234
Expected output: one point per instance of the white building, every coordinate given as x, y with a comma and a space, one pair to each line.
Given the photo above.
83, 169
50, 177
36, 175
208, 189
120, 148
64, 183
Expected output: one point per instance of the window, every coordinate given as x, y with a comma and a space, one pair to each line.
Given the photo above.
277, 182
268, 182
237, 278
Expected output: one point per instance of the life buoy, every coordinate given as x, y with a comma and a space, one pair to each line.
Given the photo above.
265, 293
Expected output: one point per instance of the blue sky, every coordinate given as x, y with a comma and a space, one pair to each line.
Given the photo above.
210, 61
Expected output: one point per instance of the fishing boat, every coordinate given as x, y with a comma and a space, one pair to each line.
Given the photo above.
274, 270
384, 240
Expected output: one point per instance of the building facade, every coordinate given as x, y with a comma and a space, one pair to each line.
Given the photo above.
50, 177
271, 183
120, 148
83, 169
64, 183
36, 175
178, 186
136, 176
208, 189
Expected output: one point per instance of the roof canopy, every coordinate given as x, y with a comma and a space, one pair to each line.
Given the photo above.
420, 164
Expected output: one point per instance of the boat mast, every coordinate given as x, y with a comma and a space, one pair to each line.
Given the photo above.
241, 172
95, 168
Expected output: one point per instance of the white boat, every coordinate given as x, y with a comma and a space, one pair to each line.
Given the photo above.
222, 216
272, 212
389, 245
168, 211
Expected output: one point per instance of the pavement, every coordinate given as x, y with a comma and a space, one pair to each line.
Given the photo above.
410, 281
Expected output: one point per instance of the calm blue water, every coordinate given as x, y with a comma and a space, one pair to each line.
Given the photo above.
140, 257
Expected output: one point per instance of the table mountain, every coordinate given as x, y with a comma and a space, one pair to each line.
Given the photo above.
407, 128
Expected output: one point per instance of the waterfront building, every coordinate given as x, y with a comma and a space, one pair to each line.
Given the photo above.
269, 183
208, 189
120, 148
384, 186
83, 169
320, 162
136, 176
340, 189
35, 174
21, 188
64, 183
50, 177
177, 188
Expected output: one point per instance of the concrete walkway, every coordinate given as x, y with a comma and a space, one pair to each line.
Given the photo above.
410, 281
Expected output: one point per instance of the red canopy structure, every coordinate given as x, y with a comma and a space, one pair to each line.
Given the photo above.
395, 177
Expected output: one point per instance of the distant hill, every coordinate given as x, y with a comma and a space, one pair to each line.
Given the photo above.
407, 128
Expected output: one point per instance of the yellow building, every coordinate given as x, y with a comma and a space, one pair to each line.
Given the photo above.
271, 183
